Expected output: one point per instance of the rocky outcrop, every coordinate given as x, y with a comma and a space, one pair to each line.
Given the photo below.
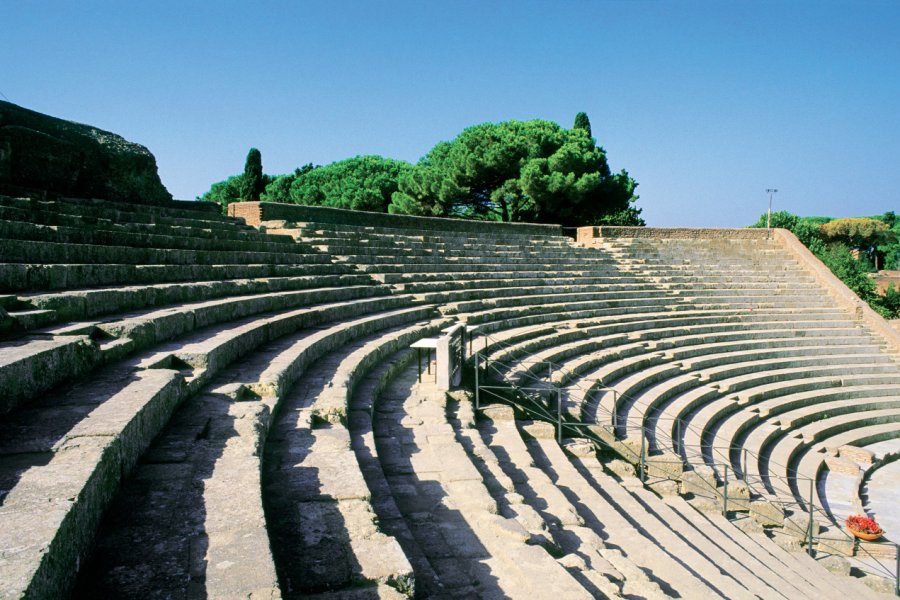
40, 152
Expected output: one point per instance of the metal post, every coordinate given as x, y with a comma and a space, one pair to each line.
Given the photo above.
419, 364
897, 572
615, 415
559, 427
677, 441
485, 356
725, 495
477, 386
770, 191
643, 457
809, 531
744, 464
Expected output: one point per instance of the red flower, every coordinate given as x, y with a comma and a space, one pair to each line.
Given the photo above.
863, 524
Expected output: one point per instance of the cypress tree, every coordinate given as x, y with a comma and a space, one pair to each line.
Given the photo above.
582, 122
253, 182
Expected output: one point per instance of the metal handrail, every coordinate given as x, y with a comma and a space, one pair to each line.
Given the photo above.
642, 459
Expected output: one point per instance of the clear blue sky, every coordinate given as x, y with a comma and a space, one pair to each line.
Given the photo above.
705, 103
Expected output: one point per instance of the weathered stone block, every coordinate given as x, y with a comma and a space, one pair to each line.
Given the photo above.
621, 468
798, 526
882, 585
748, 525
668, 465
700, 481
632, 447
665, 487
767, 513
859, 455
836, 564
579, 447
839, 545
538, 429
787, 542
498, 412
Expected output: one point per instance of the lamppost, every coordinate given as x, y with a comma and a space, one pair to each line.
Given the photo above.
770, 191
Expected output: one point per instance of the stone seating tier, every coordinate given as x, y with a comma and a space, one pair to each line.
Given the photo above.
170, 226
34, 364
183, 238
122, 211
31, 277
297, 419
201, 357
277, 365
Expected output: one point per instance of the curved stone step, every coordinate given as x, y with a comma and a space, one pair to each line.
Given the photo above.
452, 516
79, 304
654, 549
200, 357
36, 277
217, 439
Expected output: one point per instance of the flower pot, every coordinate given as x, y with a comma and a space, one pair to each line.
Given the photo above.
865, 536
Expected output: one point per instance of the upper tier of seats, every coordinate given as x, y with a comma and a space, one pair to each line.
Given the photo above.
193, 406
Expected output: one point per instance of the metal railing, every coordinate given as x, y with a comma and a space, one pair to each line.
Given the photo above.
544, 400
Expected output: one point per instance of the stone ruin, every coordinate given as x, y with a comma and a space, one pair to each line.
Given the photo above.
199, 405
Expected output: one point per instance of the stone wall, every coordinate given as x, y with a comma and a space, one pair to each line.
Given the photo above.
883, 279
256, 212
40, 153
844, 296
586, 234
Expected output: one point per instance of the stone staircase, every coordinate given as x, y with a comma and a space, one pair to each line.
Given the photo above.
195, 407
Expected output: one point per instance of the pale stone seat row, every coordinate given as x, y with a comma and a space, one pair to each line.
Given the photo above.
563, 525
440, 507
196, 361
211, 228
291, 397
663, 387
74, 349
104, 432
300, 354
624, 515
664, 332
721, 425
184, 238
319, 230
39, 277
135, 415
713, 366
596, 339
796, 449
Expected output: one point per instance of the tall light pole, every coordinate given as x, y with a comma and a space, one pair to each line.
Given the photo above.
770, 191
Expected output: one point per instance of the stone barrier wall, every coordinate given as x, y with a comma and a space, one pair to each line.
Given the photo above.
255, 212
844, 296
586, 234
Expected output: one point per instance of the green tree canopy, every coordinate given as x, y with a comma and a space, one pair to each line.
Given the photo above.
360, 183
519, 171
857, 232
850, 270
279, 189
781, 219
224, 192
582, 122
253, 182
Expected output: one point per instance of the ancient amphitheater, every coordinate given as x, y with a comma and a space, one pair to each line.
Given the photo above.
201, 406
